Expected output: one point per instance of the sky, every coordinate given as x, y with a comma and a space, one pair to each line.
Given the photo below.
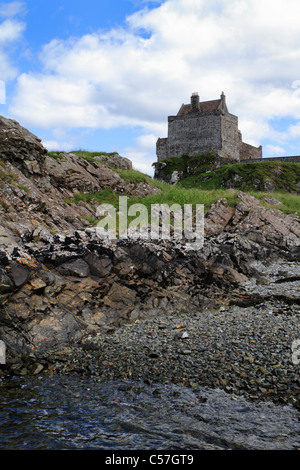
105, 75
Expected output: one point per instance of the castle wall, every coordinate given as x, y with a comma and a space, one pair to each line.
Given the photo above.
230, 137
248, 152
162, 149
192, 134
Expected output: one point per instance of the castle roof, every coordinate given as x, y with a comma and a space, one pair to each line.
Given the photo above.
205, 106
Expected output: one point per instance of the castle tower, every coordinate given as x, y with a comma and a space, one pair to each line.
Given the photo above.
203, 127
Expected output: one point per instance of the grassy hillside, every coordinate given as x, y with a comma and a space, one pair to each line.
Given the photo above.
207, 172
204, 188
259, 176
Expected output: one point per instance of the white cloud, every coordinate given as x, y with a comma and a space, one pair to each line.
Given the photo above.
59, 145
11, 9
138, 75
274, 150
11, 31
141, 160
147, 141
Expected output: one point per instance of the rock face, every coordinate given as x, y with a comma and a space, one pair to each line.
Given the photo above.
115, 161
72, 286
255, 222
37, 191
20, 147
60, 281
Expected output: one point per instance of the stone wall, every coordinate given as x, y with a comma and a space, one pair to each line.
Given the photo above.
295, 159
192, 135
230, 137
249, 152
162, 149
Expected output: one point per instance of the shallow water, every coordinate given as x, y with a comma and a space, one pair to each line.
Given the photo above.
69, 413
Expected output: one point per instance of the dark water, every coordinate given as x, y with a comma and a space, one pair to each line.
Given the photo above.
68, 413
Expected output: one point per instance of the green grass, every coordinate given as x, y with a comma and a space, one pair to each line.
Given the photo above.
205, 187
290, 202
171, 195
204, 172
247, 176
182, 196
107, 196
89, 156
55, 155
134, 176
178, 195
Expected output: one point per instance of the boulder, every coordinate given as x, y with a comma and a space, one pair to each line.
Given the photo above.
115, 161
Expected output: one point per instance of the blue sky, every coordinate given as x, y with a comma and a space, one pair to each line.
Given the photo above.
104, 75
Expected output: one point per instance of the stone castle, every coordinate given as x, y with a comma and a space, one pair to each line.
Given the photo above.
203, 127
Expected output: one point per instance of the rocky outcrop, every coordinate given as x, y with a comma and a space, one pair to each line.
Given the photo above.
255, 222
37, 191
61, 281
21, 148
73, 285
115, 161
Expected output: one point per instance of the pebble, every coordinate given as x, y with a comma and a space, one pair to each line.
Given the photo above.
244, 351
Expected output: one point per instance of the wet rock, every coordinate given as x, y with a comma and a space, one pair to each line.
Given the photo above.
59, 329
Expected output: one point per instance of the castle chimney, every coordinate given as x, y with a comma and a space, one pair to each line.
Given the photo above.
195, 101
223, 102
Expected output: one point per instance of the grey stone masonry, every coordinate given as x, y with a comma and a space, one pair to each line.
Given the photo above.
293, 159
203, 127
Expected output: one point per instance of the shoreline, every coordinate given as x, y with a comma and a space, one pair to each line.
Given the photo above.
241, 350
